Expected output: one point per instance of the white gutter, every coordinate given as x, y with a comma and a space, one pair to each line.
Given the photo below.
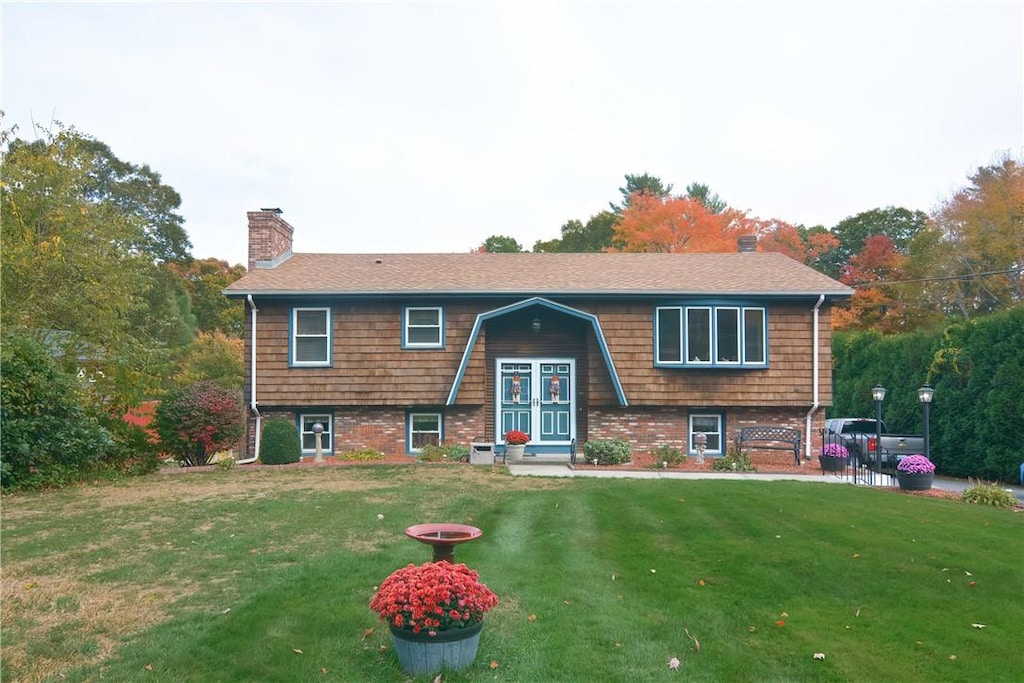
252, 394
815, 404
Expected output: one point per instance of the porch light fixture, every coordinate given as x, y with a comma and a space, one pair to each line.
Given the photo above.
535, 326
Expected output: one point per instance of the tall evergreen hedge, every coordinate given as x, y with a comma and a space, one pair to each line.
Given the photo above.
977, 369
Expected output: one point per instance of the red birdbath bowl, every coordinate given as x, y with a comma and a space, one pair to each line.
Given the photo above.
443, 538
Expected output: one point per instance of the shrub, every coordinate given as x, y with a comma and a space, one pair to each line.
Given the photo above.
608, 451
449, 452
735, 460
668, 454
989, 494
49, 437
361, 455
199, 419
280, 444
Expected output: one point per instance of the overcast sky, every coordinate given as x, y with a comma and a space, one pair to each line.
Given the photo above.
427, 127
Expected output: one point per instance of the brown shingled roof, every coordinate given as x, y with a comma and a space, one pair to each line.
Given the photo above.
539, 274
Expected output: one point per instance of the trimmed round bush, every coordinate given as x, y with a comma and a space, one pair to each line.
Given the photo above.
608, 451
280, 444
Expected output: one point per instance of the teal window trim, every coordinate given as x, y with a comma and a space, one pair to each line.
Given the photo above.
305, 422
710, 336
411, 328
699, 421
306, 340
414, 445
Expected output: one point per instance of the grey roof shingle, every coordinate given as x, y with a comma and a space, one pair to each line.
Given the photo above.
539, 274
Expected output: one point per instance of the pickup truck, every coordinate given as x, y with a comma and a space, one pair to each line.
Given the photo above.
860, 437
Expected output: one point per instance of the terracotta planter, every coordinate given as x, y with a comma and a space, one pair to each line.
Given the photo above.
915, 482
421, 653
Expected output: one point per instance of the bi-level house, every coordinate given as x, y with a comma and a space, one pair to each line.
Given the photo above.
395, 351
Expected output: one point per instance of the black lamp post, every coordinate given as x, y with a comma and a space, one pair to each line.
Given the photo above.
878, 394
925, 394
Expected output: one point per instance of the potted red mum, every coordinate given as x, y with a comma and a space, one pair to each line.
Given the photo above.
515, 444
435, 612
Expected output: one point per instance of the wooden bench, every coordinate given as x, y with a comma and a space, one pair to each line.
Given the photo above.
771, 438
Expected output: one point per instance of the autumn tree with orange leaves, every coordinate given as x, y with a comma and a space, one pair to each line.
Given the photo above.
678, 224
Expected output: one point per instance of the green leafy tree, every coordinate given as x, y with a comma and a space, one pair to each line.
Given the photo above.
703, 194
593, 237
198, 420
84, 237
212, 356
500, 244
205, 280
640, 184
898, 224
49, 436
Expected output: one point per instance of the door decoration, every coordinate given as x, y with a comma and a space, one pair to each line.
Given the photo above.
516, 388
555, 388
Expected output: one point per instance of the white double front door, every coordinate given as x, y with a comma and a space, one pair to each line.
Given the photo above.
536, 396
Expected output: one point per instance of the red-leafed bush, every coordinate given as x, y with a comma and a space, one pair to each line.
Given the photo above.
435, 596
199, 419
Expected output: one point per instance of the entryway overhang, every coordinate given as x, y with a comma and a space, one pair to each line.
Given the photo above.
559, 308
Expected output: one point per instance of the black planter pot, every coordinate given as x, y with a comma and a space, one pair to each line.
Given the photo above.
833, 464
915, 482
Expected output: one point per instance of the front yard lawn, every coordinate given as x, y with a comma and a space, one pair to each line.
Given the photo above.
267, 574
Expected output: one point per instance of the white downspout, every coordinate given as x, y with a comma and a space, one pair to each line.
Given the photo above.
252, 394
815, 404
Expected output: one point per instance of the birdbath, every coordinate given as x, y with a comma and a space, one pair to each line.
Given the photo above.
443, 538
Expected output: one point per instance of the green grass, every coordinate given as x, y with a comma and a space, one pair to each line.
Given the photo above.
225, 575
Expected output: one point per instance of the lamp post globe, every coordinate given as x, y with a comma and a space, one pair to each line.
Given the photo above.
318, 430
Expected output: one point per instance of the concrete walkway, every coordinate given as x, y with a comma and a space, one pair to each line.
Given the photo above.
558, 470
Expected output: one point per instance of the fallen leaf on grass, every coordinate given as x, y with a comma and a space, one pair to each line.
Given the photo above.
978, 625
367, 633
693, 638
296, 650
532, 617
856, 556
323, 670
968, 573
494, 664
700, 582
673, 663
972, 584
380, 516
149, 667
225, 611
780, 623
819, 655
784, 614
654, 571
437, 679
952, 658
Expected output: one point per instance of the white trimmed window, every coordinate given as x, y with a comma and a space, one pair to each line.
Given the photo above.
424, 429
711, 425
306, 423
423, 328
712, 336
311, 336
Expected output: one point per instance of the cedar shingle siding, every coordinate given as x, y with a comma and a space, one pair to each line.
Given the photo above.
372, 380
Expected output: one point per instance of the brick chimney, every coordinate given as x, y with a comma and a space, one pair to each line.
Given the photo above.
746, 244
270, 238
